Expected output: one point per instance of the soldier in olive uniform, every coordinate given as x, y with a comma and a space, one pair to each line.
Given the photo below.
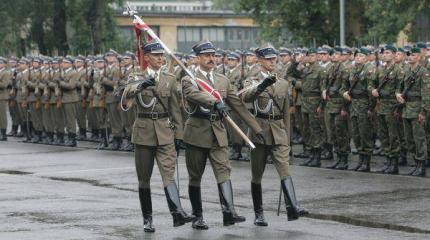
13, 106
271, 103
4, 97
414, 93
110, 83
383, 88
337, 126
45, 100
97, 102
33, 99
311, 77
355, 91
68, 84
206, 136
57, 113
127, 117
81, 116
157, 126
22, 78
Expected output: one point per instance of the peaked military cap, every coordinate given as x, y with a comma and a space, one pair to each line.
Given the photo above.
204, 47
233, 55
153, 48
390, 48
284, 51
267, 51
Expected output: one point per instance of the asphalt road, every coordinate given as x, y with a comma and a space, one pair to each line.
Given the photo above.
50, 192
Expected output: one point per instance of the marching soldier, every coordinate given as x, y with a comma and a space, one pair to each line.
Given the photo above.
355, 91
157, 126
4, 97
414, 92
97, 101
271, 104
206, 136
45, 100
110, 83
68, 84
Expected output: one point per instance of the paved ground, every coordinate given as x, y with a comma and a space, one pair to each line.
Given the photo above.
50, 192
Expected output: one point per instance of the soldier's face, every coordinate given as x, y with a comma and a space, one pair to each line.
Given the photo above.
286, 58
22, 66
218, 60
35, 64
336, 57
400, 56
388, 56
251, 59
12, 64
312, 57
206, 61
55, 65
99, 64
360, 58
126, 61
269, 64
66, 64
414, 58
79, 64
155, 60
325, 57
232, 63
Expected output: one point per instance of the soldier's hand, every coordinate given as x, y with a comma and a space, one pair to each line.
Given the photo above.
400, 98
370, 115
260, 137
319, 111
146, 83
266, 83
347, 96
221, 108
344, 115
421, 118
375, 93
324, 95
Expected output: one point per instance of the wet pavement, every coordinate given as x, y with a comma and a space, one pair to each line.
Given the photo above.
51, 192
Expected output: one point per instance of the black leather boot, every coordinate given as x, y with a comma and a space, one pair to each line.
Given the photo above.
294, 211
19, 133
71, 142
82, 134
230, 216
235, 154
365, 167
394, 167
327, 153
387, 164
343, 165
336, 163
116, 143
196, 203
175, 207
305, 154
310, 159
420, 169
360, 163
13, 131
49, 138
60, 139
104, 139
403, 161
257, 199
146, 207
94, 135
36, 137
316, 162
3, 136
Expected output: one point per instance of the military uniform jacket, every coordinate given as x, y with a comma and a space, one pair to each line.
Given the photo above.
110, 83
82, 78
43, 84
337, 74
386, 80
33, 85
234, 75
418, 96
68, 86
204, 132
5, 76
53, 86
21, 83
360, 95
154, 101
272, 101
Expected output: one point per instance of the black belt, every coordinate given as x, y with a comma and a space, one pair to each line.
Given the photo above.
153, 115
270, 116
413, 98
311, 94
209, 116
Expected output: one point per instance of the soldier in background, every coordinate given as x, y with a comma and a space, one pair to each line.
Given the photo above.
45, 101
4, 97
81, 106
127, 117
33, 99
97, 101
17, 125
22, 79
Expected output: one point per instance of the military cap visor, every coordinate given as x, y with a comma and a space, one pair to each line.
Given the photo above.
390, 48
415, 50
3, 60
153, 48
205, 47
67, 60
233, 56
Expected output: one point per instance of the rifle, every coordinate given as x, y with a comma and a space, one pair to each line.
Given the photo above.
332, 81
223, 63
38, 104
84, 93
13, 90
200, 84
46, 91
25, 91
385, 80
103, 90
242, 71
58, 91
410, 82
91, 91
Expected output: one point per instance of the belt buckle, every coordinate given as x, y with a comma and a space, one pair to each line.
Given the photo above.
154, 115
271, 117
212, 117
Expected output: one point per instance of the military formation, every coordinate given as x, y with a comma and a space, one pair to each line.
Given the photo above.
326, 99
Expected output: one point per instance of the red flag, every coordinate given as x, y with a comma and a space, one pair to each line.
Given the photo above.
139, 28
208, 88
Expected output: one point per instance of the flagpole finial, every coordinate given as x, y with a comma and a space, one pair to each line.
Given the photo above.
129, 11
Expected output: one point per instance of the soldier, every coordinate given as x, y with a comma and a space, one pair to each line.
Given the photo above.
13, 106
33, 99
57, 113
97, 101
68, 84
81, 116
91, 118
157, 126
383, 88
45, 100
206, 136
127, 117
271, 103
110, 83
414, 92
355, 91
337, 126
312, 104
4, 97
22, 79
